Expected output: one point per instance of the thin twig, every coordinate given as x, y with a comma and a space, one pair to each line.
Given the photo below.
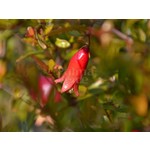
108, 116
61, 30
43, 66
129, 41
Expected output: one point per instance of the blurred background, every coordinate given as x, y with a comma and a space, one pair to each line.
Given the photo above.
114, 91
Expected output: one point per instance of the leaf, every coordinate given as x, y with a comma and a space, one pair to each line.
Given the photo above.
5, 34
71, 40
122, 109
42, 44
51, 64
96, 84
142, 35
40, 63
82, 90
27, 55
62, 43
75, 33
67, 56
40, 40
48, 29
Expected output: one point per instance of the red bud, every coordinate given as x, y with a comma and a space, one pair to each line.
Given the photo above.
30, 32
45, 85
75, 70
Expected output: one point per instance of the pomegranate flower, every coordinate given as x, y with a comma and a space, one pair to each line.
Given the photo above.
45, 88
45, 85
75, 70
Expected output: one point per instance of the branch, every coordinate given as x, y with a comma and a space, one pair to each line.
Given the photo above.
43, 66
61, 30
129, 41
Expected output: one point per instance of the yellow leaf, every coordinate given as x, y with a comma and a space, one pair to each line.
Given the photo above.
48, 29
51, 64
82, 90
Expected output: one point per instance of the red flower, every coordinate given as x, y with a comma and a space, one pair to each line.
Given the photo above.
45, 88
45, 85
57, 97
75, 70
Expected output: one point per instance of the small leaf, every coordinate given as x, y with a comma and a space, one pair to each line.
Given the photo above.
62, 43
40, 63
51, 64
82, 90
67, 56
30, 40
71, 40
42, 44
28, 54
96, 84
48, 29
142, 35
17, 93
40, 41
75, 33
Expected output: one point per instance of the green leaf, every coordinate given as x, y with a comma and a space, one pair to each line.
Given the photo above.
62, 43
42, 44
40, 40
82, 90
69, 54
75, 33
48, 29
27, 55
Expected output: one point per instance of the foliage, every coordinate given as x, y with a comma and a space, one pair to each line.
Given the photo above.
113, 93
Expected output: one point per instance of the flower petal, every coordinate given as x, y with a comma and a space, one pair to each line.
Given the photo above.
45, 86
75, 88
68, 84
61, 79
75, 70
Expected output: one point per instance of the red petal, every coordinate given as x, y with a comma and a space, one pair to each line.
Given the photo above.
61, 79
68, 84
73, 75
75, 88
75, 70
33, 94
57, 98
30, 32
45, 87
83, 57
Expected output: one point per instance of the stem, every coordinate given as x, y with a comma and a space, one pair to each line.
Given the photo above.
108, 116
129, 41
43, 66
61, 30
